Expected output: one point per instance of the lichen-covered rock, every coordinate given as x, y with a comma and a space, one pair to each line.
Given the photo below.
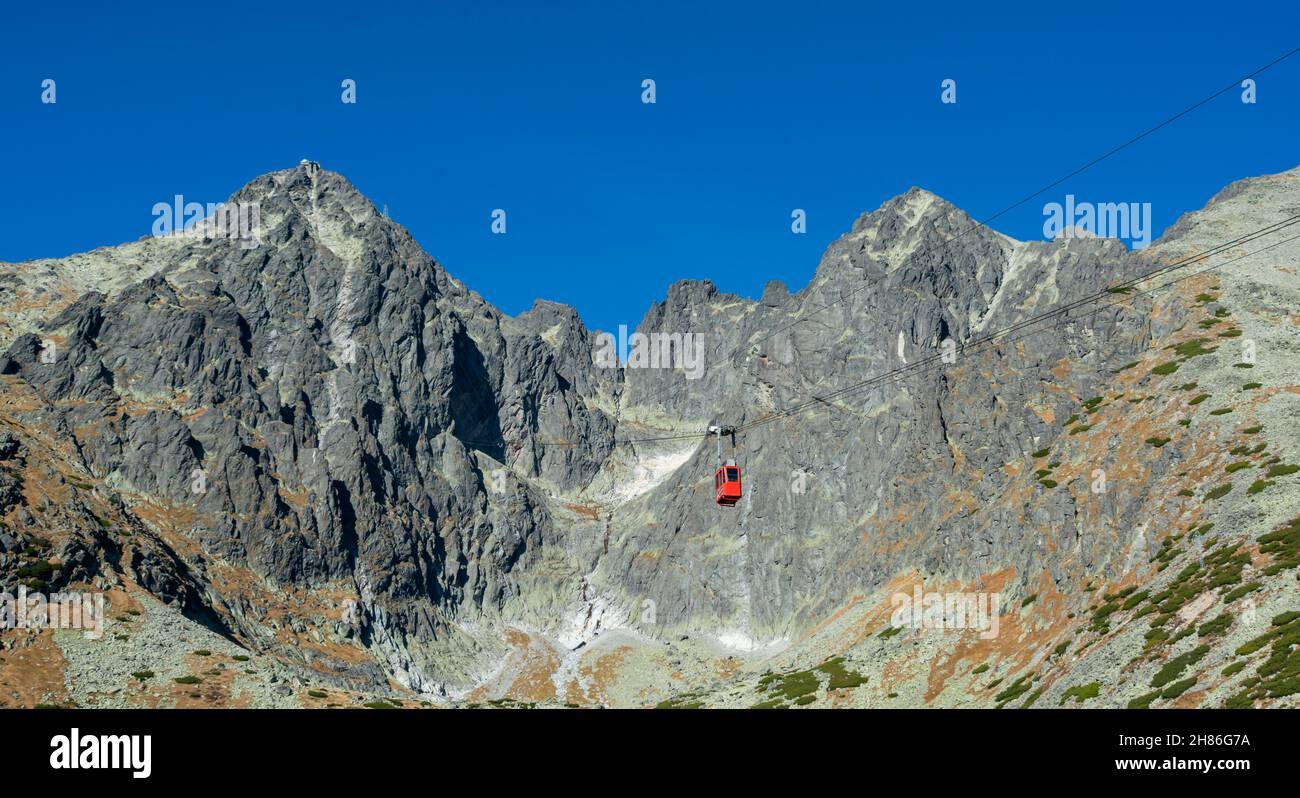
325, 443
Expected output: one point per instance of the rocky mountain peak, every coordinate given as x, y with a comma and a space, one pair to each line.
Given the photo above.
915, 208
336, 455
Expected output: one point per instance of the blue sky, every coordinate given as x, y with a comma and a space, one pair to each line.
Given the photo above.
536, 108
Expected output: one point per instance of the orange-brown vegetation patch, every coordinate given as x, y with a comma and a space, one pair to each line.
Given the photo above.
832, 618
895, 673
586, 510
598, 678
1023, 632
217, 690
32, 672
1045, 413
120, 601
535, 662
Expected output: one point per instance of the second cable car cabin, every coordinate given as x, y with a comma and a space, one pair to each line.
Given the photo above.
726, 484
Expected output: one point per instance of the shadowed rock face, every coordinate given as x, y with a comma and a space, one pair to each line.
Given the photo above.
360, 422
334, 385
866, 484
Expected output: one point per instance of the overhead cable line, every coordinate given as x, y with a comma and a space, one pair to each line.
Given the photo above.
1000, 336
985, 222
1118, 293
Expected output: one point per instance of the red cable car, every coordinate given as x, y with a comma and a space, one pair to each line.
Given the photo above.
726, 481
727, 484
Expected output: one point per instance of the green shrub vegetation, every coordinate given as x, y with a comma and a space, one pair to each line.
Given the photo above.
790, 685
39, 569
1081, 692
1018, 688
1279, 674
1135, 599
1193, 348
1177, 688
1156, 635
1238, 592
1283, 544
1220, 491
1241, 700
1174, 668
1216, 626
840, 677
1143, 701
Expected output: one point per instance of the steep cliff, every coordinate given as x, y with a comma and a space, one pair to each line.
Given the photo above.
331, 453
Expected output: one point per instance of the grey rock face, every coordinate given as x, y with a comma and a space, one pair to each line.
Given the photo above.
332, 411
868, 484
328, 390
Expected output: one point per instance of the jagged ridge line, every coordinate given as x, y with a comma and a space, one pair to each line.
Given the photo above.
918, 366
1025, 199
998, 336
1023, 336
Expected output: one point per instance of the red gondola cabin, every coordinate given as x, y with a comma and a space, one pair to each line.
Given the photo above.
727, 484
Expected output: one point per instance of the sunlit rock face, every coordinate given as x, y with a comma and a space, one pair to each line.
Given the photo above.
327, 444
